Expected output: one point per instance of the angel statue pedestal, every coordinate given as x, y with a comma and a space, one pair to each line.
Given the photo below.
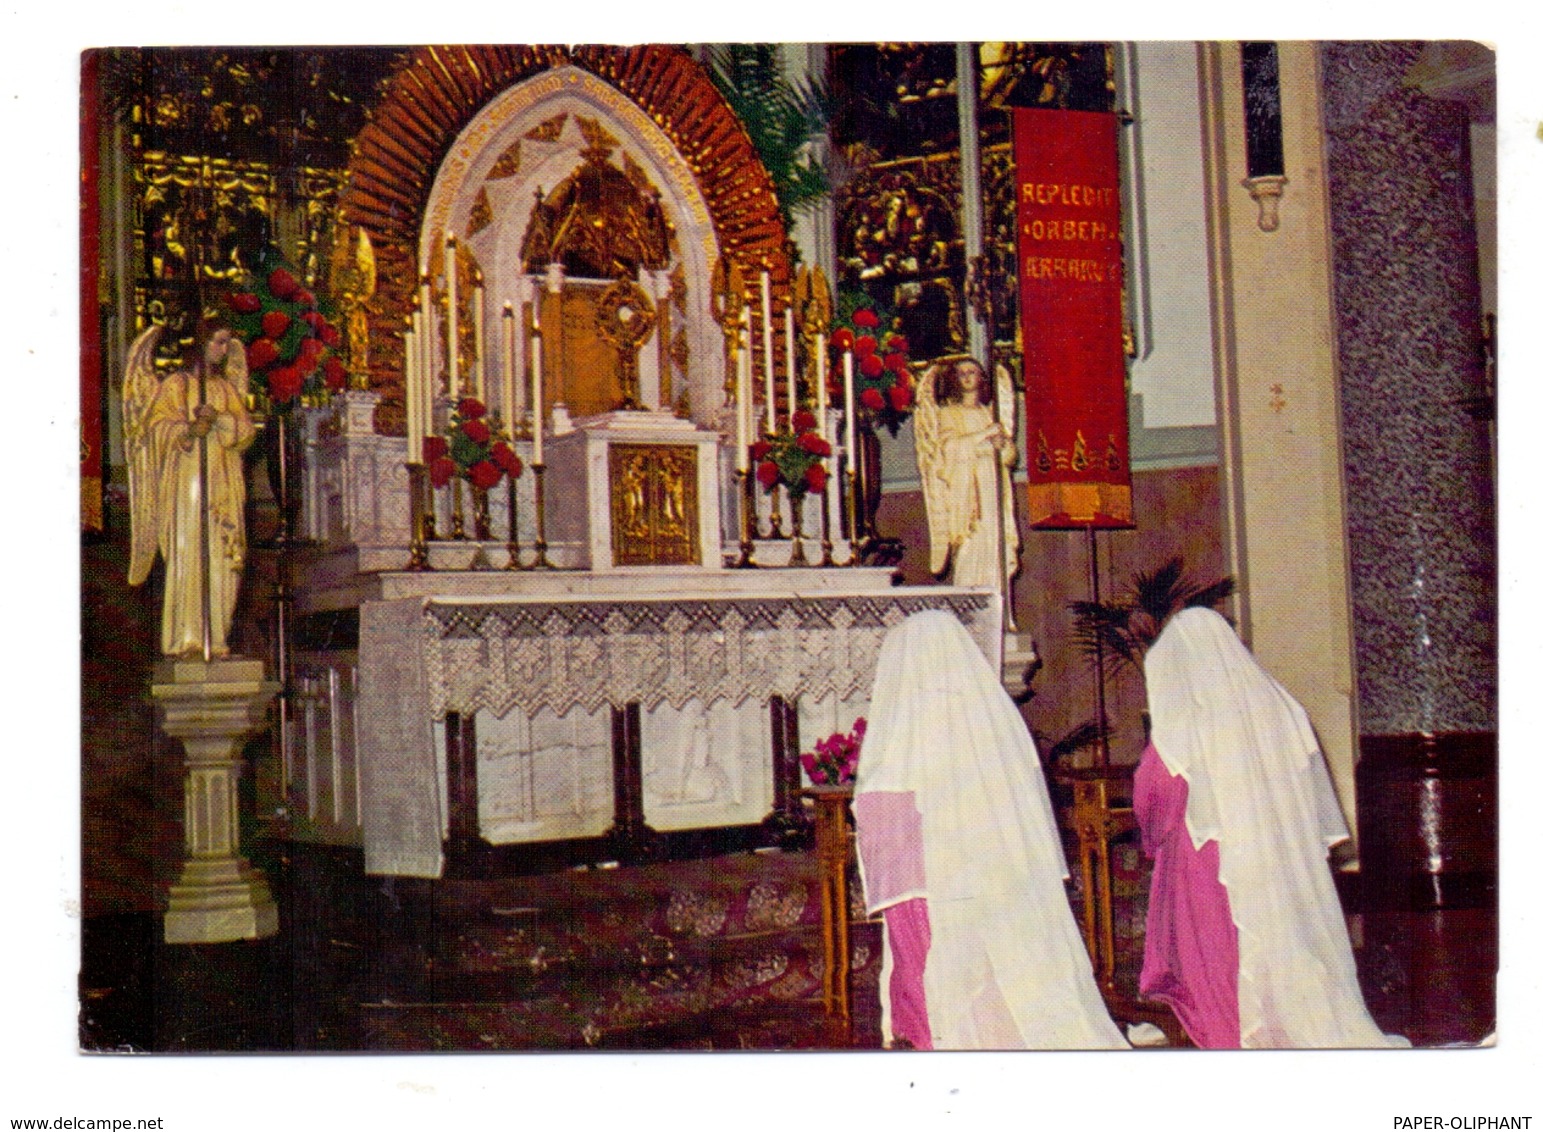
213, 707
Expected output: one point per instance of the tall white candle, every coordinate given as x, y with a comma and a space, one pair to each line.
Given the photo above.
742, 387
417, 383
769, 351
412, 396
506, 390
452, 325
851, 413
821, 392
427, 373
479, 369
538, 411
787, 337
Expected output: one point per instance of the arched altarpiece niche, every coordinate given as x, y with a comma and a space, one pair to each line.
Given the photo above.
463, 137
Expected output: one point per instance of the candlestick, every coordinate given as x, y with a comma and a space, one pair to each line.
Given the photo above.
511, 410
478, 370
417, 500
537, 402
768, 351
787, 335
425, 335
746, 508
539, 469
513, 544
452, 323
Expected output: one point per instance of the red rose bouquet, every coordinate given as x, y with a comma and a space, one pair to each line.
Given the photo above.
470, 450
834, 759
881, 375
793, 457
291, 348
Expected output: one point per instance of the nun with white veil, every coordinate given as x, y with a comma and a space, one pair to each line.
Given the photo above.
1246, 938
958, 847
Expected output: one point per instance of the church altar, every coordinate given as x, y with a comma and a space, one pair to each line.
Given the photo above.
552, 588
480, 707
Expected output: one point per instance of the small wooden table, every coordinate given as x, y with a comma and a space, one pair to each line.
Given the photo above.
833, 853
1097, 819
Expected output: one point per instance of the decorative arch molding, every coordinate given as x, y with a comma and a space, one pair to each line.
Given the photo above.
425, 108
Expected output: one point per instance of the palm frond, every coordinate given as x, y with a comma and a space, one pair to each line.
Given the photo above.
1080, 737
781, 116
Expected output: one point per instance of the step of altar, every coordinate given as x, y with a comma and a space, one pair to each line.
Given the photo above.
712, 953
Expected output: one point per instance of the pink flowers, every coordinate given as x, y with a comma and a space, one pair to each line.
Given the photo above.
834, 759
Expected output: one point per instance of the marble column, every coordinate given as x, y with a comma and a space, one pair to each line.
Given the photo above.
1422, 543
213, 708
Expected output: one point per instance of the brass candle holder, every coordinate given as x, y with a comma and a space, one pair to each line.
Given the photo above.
826, 547
774, 498
513, 544
419, 518
746, 507
541, 562
796, 507
457, 517
855, 557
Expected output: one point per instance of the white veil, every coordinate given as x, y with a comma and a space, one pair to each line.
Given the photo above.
1007, 966
1258, 786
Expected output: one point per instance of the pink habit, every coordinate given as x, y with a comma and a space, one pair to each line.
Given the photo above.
1191, 959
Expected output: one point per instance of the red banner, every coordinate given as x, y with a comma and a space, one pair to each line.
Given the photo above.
1071, 304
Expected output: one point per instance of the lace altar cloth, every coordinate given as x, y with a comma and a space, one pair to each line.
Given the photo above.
421, 658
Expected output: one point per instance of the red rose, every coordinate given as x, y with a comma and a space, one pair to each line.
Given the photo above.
275, 323
313, 319
441, 470
282, 283
505, 457
285, 383
305, 298
842, 339
435, 448
815, 477
261, 352
334, 374
476, 431
484, 474
803, 420
760, 449
894, 362
871, 366
244, 302
865, 319
329, 334
866, 346
872, 399
812, 442
471, 409
311, 348
900, 398
768, 473
897, 344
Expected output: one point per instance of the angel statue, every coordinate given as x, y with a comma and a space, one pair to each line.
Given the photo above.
184, 435
965, 451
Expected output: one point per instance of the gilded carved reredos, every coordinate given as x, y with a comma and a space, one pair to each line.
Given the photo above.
442, 149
